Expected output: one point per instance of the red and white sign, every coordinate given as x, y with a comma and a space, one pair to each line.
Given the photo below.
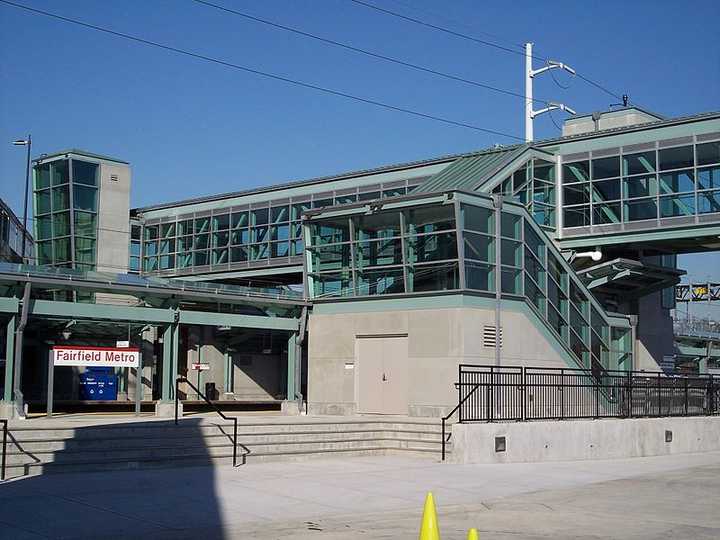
95, 356
197, 366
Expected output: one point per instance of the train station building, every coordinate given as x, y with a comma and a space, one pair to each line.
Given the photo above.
362, 293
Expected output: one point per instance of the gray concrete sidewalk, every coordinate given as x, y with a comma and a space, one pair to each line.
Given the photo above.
375, 497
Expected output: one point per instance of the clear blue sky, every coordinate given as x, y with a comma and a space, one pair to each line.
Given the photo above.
192, 128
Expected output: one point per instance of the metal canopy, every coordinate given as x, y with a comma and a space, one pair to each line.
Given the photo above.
628, 278
147, 287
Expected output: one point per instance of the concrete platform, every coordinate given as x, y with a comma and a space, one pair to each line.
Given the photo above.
378, 497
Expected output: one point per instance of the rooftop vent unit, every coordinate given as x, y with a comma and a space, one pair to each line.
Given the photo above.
598, 121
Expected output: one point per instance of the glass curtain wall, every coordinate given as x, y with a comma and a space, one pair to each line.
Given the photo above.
533, 185
248, 234
65, 210
658, 183
415, 249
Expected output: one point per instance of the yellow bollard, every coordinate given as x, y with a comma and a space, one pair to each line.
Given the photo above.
429, 527
473, 535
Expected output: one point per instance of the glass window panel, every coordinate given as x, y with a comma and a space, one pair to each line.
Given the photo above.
167, 230
44, 252
240, 219
240, 237
281, 232
534, 294
150, 248
84, 198
480, 276
379, 253
504, 187
381, 281
380, 225
544, 215
297, 247
59, 173
578, 216
167, 262
556, 295
510, 280
185, 243
322, 203
708, 178
708, 153
42, 202
346, 199
511, 253
85, 250
61, 224
677, 182
61, 247
330, 231
185, 227
84, 172
202, 225
61, 198
534, 268
677, 205
556, 270
279, 249
640, 209
150, 264
333, 284
544, 170
476, 218
41, 176
135, 249
296, 230
260, 216
330, 257
576, 194
544, 193
373, 195
519, 179
640, 163
606, 167
259, 234
221, 222
432, 247
299, 208
202, 241
534, 243
85, 224
429, 219
279, 214
606, 213
606, 190
676, 158
576, 172
219, 256
708, 202
201, 258
433, 277
510, 225
394, 192
43, 228
643, 186
557, 322
578, 348
259, 252
184, 260
134, 264
167, 246
220, 239
238, 254
479, 247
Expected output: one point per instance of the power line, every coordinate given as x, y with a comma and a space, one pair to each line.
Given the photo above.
472, 38
265, 74
365, 51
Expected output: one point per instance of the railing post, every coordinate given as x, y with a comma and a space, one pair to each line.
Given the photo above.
491, 395
177, 385
562, 394
711, 397
659, 396
630, 394
597, 399
443, 439
686, 397
4, 449
235, 420
523, 386
460, 385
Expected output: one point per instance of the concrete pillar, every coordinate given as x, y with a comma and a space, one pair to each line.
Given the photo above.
166, 406
9, 359
292, 383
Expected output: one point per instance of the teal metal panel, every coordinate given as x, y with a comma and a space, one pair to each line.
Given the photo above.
437, 301
291, 361
657, 235
238, 321
168, 381
71, 310
9, 305
9, 359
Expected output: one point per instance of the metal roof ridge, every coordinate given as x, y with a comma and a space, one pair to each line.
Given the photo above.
78, 152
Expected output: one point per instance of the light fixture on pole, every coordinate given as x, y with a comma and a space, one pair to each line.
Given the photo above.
530, 74
28, 143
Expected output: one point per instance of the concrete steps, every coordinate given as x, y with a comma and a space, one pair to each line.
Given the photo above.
60, 448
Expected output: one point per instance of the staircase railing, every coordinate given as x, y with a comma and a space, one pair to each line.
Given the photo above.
212, 405
446, 418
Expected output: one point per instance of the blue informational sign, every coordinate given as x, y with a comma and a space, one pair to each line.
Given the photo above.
98, 384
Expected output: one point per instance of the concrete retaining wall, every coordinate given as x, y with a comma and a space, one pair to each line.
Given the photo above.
584, 439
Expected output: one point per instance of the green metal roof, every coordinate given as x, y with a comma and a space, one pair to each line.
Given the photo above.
467, 173
77, 152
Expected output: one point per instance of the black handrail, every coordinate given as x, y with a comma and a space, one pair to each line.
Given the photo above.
4, 448
446, 418
215, 407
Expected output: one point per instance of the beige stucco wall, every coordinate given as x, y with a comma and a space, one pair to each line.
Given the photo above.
438, 341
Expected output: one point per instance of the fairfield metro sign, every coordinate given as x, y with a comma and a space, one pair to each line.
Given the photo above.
95, 356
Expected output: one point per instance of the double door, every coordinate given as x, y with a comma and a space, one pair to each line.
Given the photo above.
382, 378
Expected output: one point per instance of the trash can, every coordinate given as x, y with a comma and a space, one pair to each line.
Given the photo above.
210, 391
98, 384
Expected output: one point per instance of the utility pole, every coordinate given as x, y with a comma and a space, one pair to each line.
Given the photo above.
28, 144
530, 74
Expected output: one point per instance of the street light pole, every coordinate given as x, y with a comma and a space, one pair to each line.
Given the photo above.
28, 143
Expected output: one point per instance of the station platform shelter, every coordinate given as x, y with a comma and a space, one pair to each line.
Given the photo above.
363, 292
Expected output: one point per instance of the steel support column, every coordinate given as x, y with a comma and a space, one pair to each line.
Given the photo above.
168, 381
9, 358
292, 359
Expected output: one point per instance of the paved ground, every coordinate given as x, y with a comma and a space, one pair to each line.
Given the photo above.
375, 497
